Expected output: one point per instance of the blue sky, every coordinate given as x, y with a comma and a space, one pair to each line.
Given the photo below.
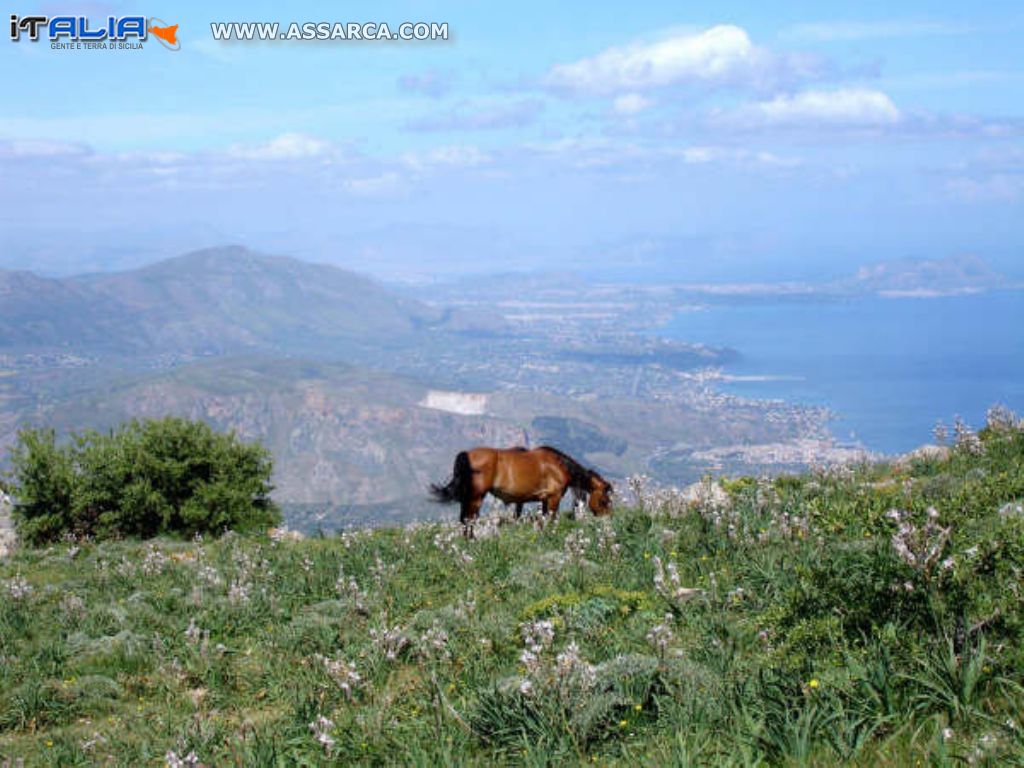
644, 140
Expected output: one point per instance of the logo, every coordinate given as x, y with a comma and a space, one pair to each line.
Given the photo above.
78, 32
167, 35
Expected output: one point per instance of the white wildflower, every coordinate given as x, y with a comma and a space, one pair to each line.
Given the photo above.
576, 545
238, 593
389, 641
18, 588
154, 562
344, 674
321, 732
660, 636
186, 761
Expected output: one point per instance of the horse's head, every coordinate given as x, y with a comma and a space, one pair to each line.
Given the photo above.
600, 495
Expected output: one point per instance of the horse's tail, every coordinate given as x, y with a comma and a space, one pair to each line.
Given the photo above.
460, 486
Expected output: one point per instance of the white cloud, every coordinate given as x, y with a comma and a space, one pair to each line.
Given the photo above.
386, 184
454, 156
287, 146
489, 115
603, 153
848, 107
715, 54
41, 148
630, 104
721, 55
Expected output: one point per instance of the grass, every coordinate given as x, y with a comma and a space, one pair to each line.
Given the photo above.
814, 641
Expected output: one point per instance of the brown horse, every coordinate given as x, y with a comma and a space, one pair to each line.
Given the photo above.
517, 476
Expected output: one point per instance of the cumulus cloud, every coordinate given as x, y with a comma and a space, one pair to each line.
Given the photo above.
454, 156
485, 117
29, 148
721, 55
603, 153
287, 146
382, 185
845, 107
630, 104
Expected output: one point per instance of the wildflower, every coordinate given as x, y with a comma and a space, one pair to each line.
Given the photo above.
999, 418
530, 659
661, 635
813, 683
449, 543
389, 641
209, 575
186, 761
571, 667
947, 734
966, 439
347, 587
238, 593
434, 643
920, 546
344, 674
92, 742
668, 583
638, 707
154, 562
1012, 509
736, 595
18, 588
576, 545
538, 634
321, 732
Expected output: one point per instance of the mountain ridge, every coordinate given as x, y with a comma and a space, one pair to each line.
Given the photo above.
215, 300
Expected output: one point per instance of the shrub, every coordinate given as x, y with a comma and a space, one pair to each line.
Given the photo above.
167, 476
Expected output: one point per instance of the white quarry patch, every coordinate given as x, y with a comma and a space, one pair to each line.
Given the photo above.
465, 403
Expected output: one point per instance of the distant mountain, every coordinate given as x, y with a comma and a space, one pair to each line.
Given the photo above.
42, 312
925, 277
213, 301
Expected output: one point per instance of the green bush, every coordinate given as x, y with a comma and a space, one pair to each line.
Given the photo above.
147, 478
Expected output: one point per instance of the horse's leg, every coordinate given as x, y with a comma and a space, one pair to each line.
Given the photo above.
469, 513
554, 501
519, 510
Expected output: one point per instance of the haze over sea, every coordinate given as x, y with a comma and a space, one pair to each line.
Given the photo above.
889, 367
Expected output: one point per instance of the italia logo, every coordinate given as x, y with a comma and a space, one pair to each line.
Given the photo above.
78, 29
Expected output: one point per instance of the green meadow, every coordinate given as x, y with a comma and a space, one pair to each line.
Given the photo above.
867, 615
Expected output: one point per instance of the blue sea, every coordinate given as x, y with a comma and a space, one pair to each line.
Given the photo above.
888, 367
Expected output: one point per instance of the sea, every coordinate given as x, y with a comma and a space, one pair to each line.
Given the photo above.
889, 368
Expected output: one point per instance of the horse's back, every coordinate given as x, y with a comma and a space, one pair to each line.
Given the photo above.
517, 474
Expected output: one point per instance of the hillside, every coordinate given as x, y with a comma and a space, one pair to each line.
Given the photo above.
869, 617
213, 301
927, 277
345, 435
347, 381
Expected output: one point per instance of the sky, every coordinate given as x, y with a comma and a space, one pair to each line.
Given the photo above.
643, 141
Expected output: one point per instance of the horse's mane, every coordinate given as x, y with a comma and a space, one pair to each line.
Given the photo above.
579, 476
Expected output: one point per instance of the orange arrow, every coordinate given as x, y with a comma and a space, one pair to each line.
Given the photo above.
170, 34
